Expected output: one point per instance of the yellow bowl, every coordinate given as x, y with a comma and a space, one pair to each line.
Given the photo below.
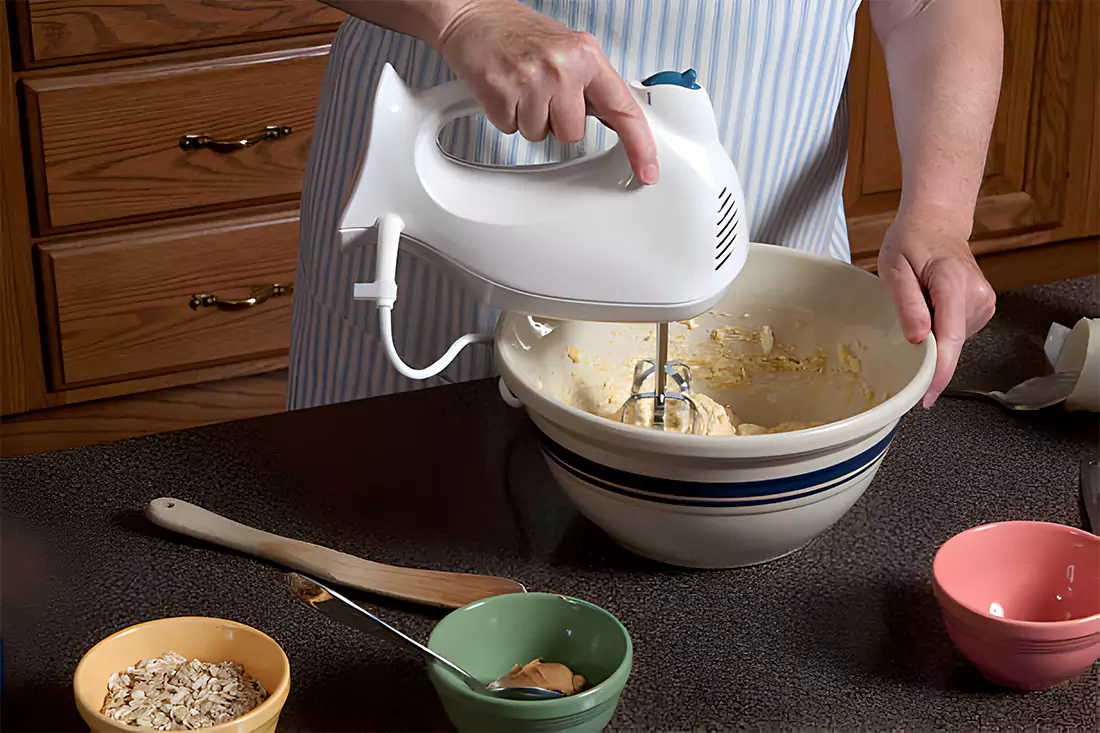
207, 639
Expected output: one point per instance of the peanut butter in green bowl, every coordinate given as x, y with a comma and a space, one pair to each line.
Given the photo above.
557, 642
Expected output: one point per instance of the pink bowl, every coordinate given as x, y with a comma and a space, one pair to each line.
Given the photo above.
1021, 600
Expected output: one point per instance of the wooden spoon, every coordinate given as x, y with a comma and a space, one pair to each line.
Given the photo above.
431, 587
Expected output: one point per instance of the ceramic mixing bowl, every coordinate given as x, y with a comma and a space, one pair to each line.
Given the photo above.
207, 639
709, 501
1021, 600
488, 637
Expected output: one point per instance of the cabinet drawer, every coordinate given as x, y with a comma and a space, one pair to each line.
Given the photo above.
59, 29
107, 145
121, 306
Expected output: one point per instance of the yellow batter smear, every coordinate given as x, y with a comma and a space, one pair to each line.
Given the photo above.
727, 359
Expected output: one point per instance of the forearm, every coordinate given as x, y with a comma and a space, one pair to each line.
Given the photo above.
943, 59
422, 19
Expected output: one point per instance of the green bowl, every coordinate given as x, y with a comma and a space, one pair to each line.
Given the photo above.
488, 637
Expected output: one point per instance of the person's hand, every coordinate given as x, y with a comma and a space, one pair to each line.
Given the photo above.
918, 258
532, 74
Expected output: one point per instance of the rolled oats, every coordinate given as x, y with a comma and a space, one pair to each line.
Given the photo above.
174, 693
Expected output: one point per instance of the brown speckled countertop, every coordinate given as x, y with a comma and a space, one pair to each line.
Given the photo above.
844, 634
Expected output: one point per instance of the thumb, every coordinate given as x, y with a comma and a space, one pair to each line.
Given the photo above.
949, 300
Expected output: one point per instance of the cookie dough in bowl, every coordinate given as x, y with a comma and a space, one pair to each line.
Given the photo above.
801, 373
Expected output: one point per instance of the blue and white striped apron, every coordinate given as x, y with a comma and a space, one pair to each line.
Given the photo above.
775, 69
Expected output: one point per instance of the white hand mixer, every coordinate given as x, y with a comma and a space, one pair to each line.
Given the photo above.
579, 240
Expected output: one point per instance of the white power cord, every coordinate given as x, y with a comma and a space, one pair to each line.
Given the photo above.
385, 321
384, 292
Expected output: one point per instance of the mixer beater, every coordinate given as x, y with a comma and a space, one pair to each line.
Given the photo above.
661, 369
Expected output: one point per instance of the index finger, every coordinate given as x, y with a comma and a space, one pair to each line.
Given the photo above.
609, 96
949, 327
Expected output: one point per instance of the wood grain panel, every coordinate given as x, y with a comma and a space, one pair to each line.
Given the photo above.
106, 144
113, 390
1084, 167
22, 380
1060, 43
118, 306
61, 29
1009, 270
143, 414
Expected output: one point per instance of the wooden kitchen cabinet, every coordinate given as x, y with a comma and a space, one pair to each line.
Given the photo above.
122, 306
105, 145
109, 230
51, 31
151, 163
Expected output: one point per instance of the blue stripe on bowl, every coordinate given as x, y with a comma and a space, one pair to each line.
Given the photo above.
737, 493
709, 503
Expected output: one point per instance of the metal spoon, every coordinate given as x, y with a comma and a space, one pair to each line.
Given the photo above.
338, 608
1034, 394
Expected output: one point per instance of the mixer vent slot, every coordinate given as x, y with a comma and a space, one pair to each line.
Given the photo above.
727, 227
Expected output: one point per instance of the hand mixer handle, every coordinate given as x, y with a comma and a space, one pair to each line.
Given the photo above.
451, 101
445, 102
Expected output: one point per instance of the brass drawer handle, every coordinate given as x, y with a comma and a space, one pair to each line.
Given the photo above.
259, 295
196, 142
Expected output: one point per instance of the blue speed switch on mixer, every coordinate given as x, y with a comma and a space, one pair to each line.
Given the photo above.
673, 78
